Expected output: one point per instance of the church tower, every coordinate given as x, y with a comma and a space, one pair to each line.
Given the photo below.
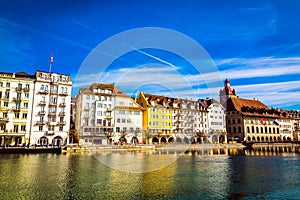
226, 93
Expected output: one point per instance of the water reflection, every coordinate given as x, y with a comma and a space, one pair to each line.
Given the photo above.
194, 174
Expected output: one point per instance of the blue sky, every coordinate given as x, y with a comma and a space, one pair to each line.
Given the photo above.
256, 44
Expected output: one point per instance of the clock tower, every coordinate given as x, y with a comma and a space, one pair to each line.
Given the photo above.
226, 93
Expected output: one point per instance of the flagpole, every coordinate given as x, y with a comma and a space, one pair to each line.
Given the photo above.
51, 61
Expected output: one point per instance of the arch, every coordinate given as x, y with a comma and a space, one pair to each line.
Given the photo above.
239, 129
43, 141
234, 129
122, 140
257, 130
270, 130
134, 140
186, 140
267, 138
248, 129
215, 139
262, 138
274, 130
252, 128
253, 138
288, 139
284, 138
57, 141
178, 139
277, 130
155, 140
266, 129
171, 139
278, 138
249, 138
261, 130
163, 140
258, 139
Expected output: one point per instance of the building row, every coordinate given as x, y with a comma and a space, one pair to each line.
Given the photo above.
34, 109
38, 109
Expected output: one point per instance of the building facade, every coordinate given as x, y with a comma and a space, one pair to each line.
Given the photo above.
216, 121
51, 114
157, 118
106, 115
16, 98
190, 122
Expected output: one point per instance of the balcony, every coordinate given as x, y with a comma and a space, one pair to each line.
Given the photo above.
17, 99
3, 120
63, 94
61, 114
50, 123
51, 103
62, 105
61, 123
41, 113
108, 110
53, 92
26, 89
86, 108
16, 109
52, 113
42, 103
43, 92
18, 89
108, 117
40, 123
49, 133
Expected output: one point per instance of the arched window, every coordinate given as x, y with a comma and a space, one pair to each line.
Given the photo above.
46, 87
261, 130
248, 129
42, 87
270, 130
239, 129
266, 130
277, 130
257, 130
252, 129
234, 129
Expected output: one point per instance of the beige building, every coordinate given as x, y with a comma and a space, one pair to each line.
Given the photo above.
16, 97
51, 109
106, 115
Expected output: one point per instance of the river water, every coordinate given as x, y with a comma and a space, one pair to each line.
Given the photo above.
199, 174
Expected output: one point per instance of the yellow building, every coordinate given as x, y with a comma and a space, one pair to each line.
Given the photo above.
16, 97
157, 118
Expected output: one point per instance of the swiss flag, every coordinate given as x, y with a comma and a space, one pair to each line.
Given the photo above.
263, 121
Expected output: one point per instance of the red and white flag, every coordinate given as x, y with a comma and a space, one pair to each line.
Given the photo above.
263, 121
51, 59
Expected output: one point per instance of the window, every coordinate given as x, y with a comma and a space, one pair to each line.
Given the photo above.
24, 115
118, 120
88, 97
61, 128
7, 84
25, 105
123, 121
5, 104
40, 128
16, 128
20, 86
117, 129
26, 95
23, 127
17, 115
1, 84
27, 86
99, 105
99, 121
7, 94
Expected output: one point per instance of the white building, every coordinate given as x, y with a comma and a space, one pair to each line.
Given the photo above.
216, 121
104, 114
128, 120
190, 124
16, 97
51, 109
